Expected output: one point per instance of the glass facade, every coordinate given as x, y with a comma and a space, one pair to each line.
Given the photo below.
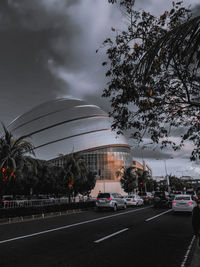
105, 162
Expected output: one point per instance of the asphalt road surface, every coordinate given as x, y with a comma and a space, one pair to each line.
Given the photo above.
138, 237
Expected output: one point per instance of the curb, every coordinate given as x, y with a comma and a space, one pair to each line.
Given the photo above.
38, 216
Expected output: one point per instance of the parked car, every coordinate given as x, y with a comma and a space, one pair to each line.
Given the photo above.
147, 197
133, 200
183, 203
161, 199
112, 201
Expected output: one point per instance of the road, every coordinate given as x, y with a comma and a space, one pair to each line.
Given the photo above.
136, 237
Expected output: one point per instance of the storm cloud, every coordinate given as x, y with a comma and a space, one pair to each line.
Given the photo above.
50, 47
48, 50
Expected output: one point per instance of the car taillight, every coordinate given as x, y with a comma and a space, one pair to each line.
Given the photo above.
109, 198
190, 203
97, 198
134, 200
147, 196
174, 203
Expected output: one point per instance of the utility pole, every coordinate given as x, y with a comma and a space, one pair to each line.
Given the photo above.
167, 177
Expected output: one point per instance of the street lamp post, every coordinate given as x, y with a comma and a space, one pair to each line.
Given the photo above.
167, 177
166, 174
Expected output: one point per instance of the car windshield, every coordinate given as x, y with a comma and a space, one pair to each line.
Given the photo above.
182, 198
103, 195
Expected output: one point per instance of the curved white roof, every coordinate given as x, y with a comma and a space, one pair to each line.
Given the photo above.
62, 125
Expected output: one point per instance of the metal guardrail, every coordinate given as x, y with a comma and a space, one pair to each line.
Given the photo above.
41, 202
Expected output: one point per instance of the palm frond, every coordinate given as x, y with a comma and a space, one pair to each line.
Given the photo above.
188, 33
7, 134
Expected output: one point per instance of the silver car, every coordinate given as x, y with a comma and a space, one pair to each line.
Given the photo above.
184, 203
112, 201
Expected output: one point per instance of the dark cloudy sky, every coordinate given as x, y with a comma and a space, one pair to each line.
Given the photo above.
47, 50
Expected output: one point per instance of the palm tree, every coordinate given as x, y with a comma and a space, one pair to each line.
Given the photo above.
76, 171
29, 172
12, 154
188, 33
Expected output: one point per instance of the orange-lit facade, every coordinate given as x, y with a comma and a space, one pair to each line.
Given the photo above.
103, 161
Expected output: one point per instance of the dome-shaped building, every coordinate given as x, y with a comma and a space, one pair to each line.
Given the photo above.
64, 125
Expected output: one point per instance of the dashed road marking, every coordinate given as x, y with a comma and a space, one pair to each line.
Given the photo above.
108, 236
68, 226
160, 214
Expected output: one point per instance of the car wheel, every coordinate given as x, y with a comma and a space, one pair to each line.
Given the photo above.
115, 207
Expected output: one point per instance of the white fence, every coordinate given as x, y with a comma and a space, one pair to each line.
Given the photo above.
40, 202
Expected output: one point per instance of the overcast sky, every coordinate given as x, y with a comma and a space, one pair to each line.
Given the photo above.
47, 50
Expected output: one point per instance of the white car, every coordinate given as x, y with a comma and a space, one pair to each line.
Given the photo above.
184, 203
134, 200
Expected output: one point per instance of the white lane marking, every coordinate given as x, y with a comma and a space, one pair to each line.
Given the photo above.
108, 236
160, 214
68, 226
188, 252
